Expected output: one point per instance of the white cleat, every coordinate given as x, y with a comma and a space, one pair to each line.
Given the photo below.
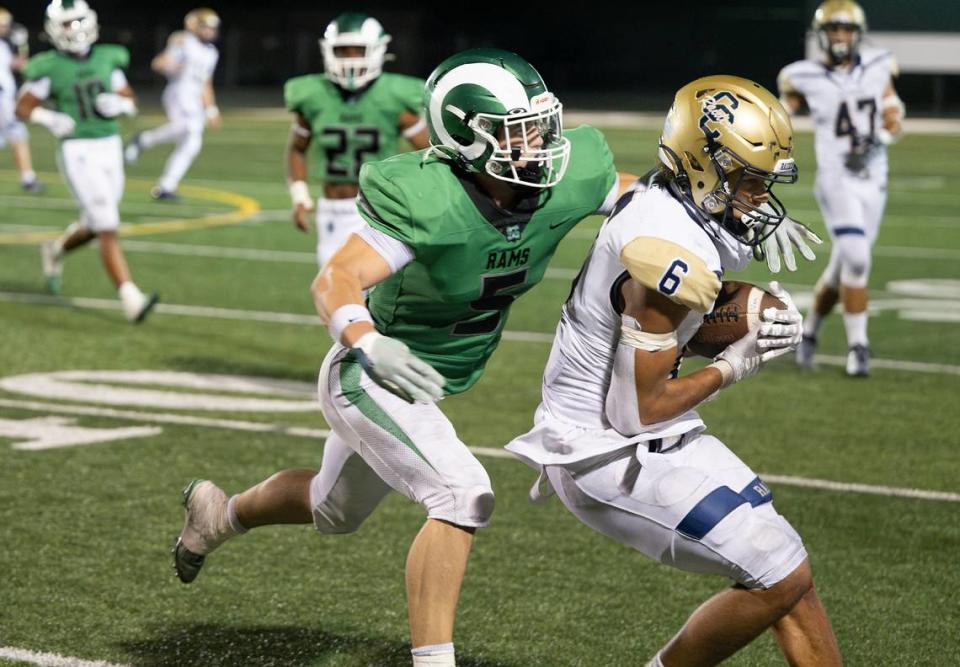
205, 527
51, 258
805, 351
858, 361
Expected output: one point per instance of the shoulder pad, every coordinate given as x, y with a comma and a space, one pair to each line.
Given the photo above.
177, 38
673, 270
382, 202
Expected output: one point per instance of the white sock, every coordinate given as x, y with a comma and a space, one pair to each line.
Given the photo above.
232, 517
435, 655
28, 177
656, 661
856, 326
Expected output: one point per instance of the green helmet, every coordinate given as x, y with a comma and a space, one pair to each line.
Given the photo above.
353, 29
489, 111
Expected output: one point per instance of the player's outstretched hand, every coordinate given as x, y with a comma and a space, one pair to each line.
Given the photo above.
780, 329
788, 234
391, 365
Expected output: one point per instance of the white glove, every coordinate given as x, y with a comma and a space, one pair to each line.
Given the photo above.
59, 124
789, 233
780, 329
777, 332
391, 365
111, 105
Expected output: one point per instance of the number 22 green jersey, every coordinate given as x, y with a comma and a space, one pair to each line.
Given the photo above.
472, 259
75, 83
350, 129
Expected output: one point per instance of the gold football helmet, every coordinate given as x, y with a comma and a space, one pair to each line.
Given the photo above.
839, 13
721, 133
202, 17
6, 19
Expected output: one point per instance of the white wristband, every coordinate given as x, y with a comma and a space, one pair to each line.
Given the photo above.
42, 116
212, 111
727, 373
300, 194
346, 315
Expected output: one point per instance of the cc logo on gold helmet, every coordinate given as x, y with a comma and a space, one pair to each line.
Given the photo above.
721, 133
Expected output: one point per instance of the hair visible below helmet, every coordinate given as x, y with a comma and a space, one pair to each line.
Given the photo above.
199, 18
71, 25
489, 111
353, 29
837, 13
721, 130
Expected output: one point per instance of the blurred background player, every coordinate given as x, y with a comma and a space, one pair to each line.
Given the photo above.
87, 89
856, 113
188, 63
352, 114
14, 50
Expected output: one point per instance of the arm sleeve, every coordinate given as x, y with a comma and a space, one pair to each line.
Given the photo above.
383, 205
410, 93
396, 254
606, 208
292, 99
121, 57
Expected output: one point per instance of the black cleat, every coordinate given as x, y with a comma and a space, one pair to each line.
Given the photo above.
164, 195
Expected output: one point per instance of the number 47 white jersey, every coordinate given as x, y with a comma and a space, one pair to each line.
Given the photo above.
845, 104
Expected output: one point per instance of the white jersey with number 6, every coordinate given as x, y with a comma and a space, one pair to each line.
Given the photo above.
651, 238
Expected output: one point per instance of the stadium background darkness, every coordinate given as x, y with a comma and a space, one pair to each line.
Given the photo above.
610, 56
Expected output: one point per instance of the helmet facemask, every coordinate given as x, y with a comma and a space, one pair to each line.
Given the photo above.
354, 72
840, 52
755, 222
525, 147
72, 26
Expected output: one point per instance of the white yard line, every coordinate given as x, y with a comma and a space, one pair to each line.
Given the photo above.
50, 659
492, 452
313, 320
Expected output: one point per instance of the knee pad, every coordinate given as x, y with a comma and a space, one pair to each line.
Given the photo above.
854, 252
761, 543
468, 506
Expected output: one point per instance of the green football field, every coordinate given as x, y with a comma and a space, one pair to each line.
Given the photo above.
92, 459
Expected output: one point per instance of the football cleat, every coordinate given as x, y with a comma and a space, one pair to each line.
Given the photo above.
805, 351
160, 194
131, 152
140, 315
858, 361
205, 527
33, 187
51, 258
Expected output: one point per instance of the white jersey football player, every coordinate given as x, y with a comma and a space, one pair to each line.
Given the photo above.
14, 50
188, 62
856, 113
617, 435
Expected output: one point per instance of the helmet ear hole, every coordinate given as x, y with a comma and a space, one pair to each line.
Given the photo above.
693, 161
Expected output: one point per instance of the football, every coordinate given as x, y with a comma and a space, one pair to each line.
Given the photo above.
736, 308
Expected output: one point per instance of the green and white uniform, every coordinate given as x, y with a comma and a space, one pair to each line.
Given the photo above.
459, 263
349, 129
90, 159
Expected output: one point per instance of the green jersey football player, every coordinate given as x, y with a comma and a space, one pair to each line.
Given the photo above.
452, 236
87, 90
352, 114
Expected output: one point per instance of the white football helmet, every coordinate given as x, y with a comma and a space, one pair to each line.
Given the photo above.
71, 25
353, 29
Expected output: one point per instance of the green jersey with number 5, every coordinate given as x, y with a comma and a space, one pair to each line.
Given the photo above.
75, 83
351, 128
472, 258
